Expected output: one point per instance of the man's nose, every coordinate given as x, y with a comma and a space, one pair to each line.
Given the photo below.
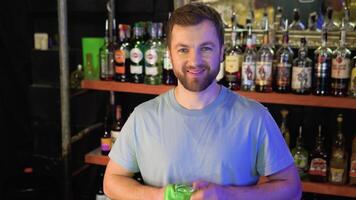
194, 58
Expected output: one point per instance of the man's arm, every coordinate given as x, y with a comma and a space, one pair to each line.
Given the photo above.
281, 185
119, 184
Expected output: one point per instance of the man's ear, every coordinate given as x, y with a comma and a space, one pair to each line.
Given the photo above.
222, 50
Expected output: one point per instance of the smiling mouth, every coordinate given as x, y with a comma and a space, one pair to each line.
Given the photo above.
196, 71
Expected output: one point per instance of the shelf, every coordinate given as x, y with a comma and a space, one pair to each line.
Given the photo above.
274, 98
95, 157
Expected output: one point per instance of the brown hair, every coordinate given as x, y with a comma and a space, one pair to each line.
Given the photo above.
193, 14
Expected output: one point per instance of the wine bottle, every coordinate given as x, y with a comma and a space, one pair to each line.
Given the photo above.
318, 169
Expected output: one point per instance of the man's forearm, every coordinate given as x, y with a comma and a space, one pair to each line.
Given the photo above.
122, 187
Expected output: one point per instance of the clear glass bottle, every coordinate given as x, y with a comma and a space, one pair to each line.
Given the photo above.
296, 23
136, 54
318, 170
284, 127
106, 53
284, 61
265, 57
153, 57
300, 155
122, 54
248, 69
329, 23
352, 85
233, 60
339, 157
302, 70
341, 67
322, 67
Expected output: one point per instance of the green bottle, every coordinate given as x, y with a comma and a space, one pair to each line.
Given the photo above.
136, 54
300, 155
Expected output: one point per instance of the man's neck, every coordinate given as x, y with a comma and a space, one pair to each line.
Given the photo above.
196, 100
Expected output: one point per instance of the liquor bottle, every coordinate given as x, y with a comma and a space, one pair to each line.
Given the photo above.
322, 67
117, 124
264, 21
352, 173
312, 25
300, 155
318, 169
284, 64
352, 88
341, 67
153, 57
122, 54
233, 60
338, 158
278, 19
136, 54
329, 23
106, 57
349, 26
106, 141
168, 77
249, 65
302, 70
284, 127
76, 77
264, 64
296, 23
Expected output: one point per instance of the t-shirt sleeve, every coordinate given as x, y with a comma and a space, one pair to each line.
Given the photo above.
273, 152
123, 151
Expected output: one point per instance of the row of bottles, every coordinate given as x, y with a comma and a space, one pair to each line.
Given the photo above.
318, 165
136, 59
265, 71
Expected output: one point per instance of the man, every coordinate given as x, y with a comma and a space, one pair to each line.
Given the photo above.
200, 133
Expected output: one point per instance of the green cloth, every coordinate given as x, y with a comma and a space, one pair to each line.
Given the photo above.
178, 192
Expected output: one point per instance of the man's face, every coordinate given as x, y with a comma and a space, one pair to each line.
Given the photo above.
196, 54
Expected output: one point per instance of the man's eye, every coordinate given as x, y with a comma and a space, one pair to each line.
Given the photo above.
206, 49
183, 50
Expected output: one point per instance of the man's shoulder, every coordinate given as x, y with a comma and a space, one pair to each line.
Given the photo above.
242, 103
153, 104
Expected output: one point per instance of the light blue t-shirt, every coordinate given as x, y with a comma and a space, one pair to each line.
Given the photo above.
232, 141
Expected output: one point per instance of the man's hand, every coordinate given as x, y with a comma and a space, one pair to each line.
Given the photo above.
208, 191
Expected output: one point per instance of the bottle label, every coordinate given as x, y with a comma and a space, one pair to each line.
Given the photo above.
318, 167
353, 168
119, 56
233, 63
301, 77
151, 56
264, 73
136, 69
336, 175
301, 161
105, 144
167, 64
248, 73
340, 68
136, 55
152, 71
283, 74
321, 69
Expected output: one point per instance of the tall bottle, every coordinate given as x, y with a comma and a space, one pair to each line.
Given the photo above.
339, 157
106, 141
122, 54
278, 19
318, 169
322, 67
136, 54
168, 77
329, 23
352, 173
233, 60
106, 53
284, 64
296, 23
249, 65
341, 67
264, 64
300, 155
352, 88
153, 57
302, 70
117, 123
284, 127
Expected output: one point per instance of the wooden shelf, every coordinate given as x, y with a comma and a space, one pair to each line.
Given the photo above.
95, 157
274, 98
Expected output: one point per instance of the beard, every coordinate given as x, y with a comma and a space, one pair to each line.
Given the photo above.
196, 84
